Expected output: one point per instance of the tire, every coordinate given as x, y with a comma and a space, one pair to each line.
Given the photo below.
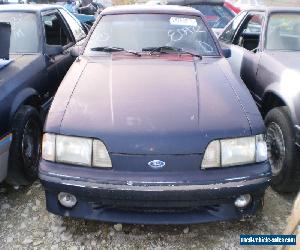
282, 150
25, 150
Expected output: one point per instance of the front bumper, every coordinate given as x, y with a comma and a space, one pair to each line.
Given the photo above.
152, 202
4, 154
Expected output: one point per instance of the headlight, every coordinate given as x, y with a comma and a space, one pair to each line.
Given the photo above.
100, 155
75, 150
238, 151
212, 156
48, 147
261, 149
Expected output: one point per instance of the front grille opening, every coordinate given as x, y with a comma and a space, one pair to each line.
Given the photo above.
175, 207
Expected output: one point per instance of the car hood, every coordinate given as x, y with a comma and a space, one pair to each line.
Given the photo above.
151, 106
22, 66
17, 63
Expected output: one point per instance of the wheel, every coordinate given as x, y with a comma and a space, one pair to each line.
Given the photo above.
282, 150
25, 149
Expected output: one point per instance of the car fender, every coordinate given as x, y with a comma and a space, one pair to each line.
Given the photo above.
25, 95
285, 96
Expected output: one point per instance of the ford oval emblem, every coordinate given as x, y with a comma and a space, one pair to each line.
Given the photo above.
156, 164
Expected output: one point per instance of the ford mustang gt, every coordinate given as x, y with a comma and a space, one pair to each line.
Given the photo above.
151, 126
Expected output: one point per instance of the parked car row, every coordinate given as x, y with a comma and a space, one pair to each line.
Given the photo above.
154, 117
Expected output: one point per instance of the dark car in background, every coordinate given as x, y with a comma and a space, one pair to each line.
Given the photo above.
85, 15
265, 46
151, 126
36, 59
217, 14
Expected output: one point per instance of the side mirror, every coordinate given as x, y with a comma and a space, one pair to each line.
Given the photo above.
5, 31
76, 51
54, 50
226, 52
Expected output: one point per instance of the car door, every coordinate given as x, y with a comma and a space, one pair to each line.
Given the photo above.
74, 25
77, 33
57, 33
249, 39
52, 76
226, 40
246, 48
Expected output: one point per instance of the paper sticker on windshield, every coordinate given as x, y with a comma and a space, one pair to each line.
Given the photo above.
183, 21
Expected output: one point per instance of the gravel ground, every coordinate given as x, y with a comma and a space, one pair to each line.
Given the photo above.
25, 224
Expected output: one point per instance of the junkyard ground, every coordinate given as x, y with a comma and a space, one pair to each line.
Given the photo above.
25, 224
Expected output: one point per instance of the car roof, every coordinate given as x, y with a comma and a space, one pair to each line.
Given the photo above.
271, 9
197, 2
164, 9
28, 7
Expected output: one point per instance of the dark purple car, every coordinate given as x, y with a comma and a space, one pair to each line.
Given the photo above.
151, 126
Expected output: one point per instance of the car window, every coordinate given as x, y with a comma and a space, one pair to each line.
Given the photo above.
254, 24
55, 30
249, 35
137, 31
74, 25
230, 31
217, 16
24, 32
283, 32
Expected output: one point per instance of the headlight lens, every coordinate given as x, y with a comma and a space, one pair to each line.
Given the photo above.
232, 152
75, 150
238, 151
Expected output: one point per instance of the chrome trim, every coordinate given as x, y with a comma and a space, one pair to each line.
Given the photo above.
130, 186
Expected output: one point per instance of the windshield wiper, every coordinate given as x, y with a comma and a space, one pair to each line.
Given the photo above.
166, 49
114, 49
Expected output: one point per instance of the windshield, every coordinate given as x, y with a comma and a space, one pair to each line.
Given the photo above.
283, 32
135, 32
24, 37
217, 16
